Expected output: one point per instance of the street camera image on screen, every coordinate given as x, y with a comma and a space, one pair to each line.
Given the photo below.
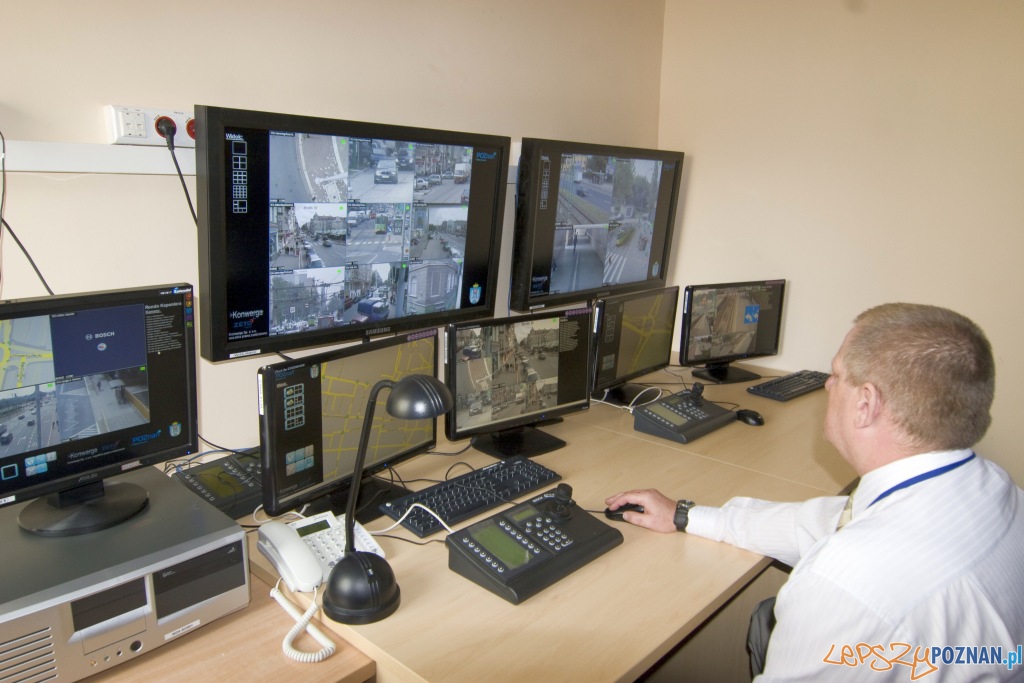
359, 230
603, 225
316, 408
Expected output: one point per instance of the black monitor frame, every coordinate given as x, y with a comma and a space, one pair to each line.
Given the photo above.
294, 430
564, 186
554, 367
632, 338
106, 383
278, 271
700, 346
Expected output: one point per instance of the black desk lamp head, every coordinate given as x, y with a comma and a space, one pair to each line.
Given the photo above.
362, 588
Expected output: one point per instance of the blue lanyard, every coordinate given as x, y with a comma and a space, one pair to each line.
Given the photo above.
921, 477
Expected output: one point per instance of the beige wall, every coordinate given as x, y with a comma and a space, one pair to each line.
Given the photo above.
866, 151
579, 70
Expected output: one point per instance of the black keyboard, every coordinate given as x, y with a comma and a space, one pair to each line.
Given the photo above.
790, 386
469, 494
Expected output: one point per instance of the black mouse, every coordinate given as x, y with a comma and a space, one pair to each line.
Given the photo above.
616, 514
749, 417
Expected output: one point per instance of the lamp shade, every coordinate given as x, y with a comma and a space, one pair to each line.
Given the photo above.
417, 397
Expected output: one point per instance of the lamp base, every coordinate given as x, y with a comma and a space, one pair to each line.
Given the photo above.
361, 589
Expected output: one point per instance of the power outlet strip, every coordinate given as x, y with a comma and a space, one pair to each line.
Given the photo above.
137, 126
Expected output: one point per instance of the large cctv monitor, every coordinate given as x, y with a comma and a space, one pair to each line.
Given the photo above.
591, 221
316, 230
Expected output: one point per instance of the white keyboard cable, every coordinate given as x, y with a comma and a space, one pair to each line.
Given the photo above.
302, 623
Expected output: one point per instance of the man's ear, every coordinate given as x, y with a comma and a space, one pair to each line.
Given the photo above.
869, 405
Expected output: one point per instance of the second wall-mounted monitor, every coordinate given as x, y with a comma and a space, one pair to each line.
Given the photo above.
591, 221
315, 231
730, 322
511, 375
632, 337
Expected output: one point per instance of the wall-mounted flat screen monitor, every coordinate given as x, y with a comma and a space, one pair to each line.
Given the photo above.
730, 322
510, 375
591, 221
632, 338
93, 385
316, 231
311, 418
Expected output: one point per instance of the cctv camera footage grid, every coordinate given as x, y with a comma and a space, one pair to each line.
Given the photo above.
604, 222
363, 231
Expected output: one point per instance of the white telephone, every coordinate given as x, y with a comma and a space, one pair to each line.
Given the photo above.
305, 551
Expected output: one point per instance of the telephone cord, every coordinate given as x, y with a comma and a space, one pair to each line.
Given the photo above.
302, 623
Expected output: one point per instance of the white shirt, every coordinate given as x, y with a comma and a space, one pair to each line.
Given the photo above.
939, 564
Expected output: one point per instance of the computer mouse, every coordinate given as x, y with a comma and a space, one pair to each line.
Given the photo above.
616, 514
750, 417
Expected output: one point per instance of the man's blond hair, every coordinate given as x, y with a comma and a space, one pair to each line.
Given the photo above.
933, 367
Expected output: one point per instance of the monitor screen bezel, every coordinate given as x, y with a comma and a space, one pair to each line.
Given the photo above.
454, 432
527, 253
686, 324
600, 320
275, 502
212, 200
136, 454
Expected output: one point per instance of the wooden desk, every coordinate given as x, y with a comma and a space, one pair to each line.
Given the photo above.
614, 618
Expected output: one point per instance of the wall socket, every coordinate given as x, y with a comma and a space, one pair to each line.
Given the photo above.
137, 126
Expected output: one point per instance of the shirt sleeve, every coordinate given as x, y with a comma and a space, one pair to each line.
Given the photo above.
782, 531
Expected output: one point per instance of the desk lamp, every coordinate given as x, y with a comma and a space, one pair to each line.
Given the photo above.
362, 588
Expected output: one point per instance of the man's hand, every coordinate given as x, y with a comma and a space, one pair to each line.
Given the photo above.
659, 510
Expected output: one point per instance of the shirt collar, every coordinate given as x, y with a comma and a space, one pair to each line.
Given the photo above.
876, 482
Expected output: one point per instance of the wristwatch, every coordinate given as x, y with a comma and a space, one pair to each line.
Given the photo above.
683, 514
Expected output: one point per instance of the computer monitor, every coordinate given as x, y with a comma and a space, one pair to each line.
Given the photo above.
730, 322
93, 385
311, 417
632, 337
316, 231
591, 221
511, 375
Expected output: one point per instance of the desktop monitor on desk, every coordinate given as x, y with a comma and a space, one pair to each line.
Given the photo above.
730, 322
512, 375
632, 338
311, 416
91, 386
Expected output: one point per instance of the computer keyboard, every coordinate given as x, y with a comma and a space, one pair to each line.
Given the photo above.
790, 386
467, 495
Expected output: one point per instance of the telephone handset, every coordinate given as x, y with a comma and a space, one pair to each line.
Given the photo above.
305, 551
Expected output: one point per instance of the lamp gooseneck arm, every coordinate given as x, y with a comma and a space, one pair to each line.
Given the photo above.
357, 471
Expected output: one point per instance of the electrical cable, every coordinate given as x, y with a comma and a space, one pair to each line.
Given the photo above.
27, 256
167, 128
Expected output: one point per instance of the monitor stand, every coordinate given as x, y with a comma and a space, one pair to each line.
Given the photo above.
628, 395
373, 492
84, 509
723, 373
525, 441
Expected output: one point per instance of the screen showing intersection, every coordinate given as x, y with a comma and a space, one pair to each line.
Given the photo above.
312, 414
